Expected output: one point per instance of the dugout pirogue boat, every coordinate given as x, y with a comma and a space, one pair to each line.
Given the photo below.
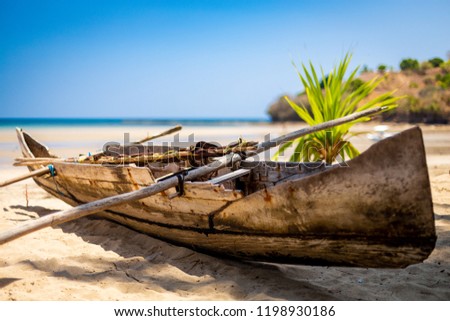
375, 212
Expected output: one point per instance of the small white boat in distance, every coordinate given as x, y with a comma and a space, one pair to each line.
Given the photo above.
379, 133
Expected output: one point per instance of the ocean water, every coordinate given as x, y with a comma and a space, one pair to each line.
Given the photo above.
108, 122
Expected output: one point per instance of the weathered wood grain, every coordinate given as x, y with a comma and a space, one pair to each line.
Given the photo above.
384, 192
365, 252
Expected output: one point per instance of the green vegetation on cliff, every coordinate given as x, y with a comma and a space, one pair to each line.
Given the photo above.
425, 87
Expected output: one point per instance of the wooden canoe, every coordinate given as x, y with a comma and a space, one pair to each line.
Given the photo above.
375, 212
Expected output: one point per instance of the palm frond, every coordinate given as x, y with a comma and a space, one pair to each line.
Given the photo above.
334, 100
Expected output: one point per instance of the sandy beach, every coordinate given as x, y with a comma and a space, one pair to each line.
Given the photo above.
94, 259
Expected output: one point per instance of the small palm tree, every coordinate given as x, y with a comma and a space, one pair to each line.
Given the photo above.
332, 98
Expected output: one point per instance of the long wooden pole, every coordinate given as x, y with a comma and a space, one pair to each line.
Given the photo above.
37, 172
106, 203
164, 133
317, 128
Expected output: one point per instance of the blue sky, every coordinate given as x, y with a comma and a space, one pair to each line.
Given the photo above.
194, 59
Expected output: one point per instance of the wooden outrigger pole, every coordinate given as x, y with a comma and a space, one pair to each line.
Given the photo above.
38, 172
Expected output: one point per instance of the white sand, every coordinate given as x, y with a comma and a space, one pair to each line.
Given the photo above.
92, 259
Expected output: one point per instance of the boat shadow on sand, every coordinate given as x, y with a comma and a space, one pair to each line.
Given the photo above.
135, 263
160, 266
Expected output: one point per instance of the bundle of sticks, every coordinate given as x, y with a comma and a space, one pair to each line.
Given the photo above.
197, 155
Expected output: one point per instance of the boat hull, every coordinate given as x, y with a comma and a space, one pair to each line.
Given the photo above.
374, 212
